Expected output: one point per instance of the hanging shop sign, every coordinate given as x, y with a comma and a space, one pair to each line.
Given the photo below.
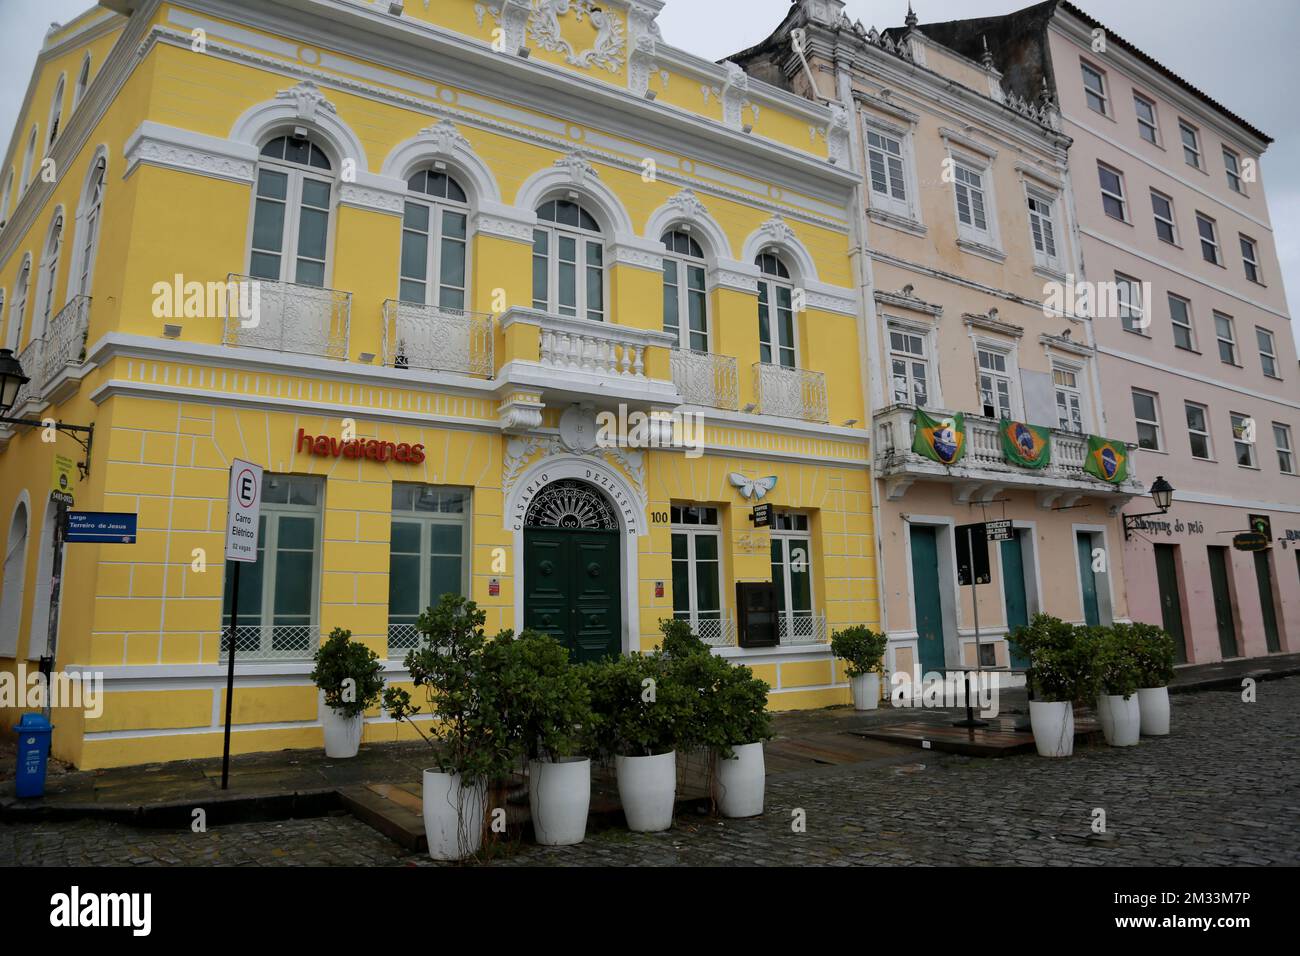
328, 446
1250, 541
61, 479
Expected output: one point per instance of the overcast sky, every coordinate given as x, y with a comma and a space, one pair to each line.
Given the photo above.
1245, 54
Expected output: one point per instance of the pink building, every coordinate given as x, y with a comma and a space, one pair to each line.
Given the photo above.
1196, 355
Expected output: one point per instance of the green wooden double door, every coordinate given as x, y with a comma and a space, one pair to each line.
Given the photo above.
571, 589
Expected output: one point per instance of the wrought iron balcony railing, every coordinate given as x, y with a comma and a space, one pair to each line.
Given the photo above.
31, 358
705, 378
431, 337
272, 642
287, 317
65, 339
790, 392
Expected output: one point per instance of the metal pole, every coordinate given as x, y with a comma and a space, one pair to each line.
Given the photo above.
56, 575
230, 672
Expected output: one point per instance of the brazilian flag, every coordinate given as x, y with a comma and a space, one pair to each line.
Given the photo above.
1025, 445
1106, 459
943, 441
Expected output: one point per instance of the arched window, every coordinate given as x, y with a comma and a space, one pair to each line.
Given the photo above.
91, 209
435, 237
568, 261
56, 112
11, 596
83, 81
49, 275
686, 299
27, 163
776, 336
4, 198
291, 216
18, 311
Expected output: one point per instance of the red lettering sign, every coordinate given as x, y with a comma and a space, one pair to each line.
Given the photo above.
327, 447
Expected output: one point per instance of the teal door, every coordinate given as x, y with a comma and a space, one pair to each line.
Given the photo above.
925, 598
1171, 598
1088, 580
1013, 590
1223, 618
1264, 578
571, 589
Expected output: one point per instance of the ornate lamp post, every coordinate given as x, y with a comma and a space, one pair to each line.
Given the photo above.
1162, 493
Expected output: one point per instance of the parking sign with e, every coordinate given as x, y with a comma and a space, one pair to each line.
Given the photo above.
244, 511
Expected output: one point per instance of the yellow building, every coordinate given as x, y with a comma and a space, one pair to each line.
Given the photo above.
460, 239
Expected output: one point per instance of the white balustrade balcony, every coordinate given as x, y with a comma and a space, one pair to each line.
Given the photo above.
706, 378
984, 470
287, 317
431, 337
790, 392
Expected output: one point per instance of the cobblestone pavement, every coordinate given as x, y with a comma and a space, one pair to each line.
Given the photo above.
1224, 789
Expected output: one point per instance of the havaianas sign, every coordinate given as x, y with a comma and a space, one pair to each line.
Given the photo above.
327, 446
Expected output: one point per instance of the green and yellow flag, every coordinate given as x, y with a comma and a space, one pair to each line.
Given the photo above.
1106, 459
1025, 445
943, 441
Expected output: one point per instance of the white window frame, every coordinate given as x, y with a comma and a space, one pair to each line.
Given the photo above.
1239, 443
692, 532
1072, 394
1154, 124
1250, 262
584, 240
771, 284
1089, 93
28, 158
47, 281
1153, 422
427, 520
1009, 373
887, 201
1044, 258
1132, 310
1267, 356
437, 207
785, 536
18, 311
5, 195
1192, 154
1212, 242
83, 81
1190, 326
1203, 432
1285, 448
81, 277
1119, 197
684, 263
55, 118
1230, 340
1232, 169
926, 335
288, 251
1171, 221
981, 167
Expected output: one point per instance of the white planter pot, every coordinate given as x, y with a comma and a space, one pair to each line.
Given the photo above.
559, 796
1053, 726
1119, 719
1153, 702
739, 783
866, 691
647, 788
453, 815
342, 734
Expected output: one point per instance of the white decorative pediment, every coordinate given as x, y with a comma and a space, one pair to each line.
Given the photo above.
688, 205
577, 167
444, 139
307, 100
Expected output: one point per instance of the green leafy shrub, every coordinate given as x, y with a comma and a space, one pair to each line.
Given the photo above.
679, 640
1118, 667
638, 704
461, 678
727, 704
544, 701
1062, 660
1154, 650
861, 649
350, 673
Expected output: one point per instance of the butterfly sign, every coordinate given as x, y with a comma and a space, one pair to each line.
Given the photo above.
752, 489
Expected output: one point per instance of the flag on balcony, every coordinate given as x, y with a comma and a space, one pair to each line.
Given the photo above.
943, 441
1106, 459
1025, 445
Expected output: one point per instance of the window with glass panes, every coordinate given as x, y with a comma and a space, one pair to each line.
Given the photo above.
1147, 419
1232, 167
909, 365
1243, 439
427, 557
1285, 453
969, 184
18, 311
792, 574
1180, 318
435, 239
1205, 228
697, 568
1225, 332
995, 383
279, 594
1191, 144
1112, 192
568, 261
1094, 88
90, 228
1069, 401
1198, 429
1132, 310
686, 297
1162, 208
1146, 117
1267, 351
1249, 258
885, 158
291, 213
1041, 228
776, 341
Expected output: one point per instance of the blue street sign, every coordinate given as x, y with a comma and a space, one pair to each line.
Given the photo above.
100, 527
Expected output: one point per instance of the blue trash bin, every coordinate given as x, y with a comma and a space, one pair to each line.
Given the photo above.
33, 750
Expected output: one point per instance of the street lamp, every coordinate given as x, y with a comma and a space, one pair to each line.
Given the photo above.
11, 380
1162, 493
